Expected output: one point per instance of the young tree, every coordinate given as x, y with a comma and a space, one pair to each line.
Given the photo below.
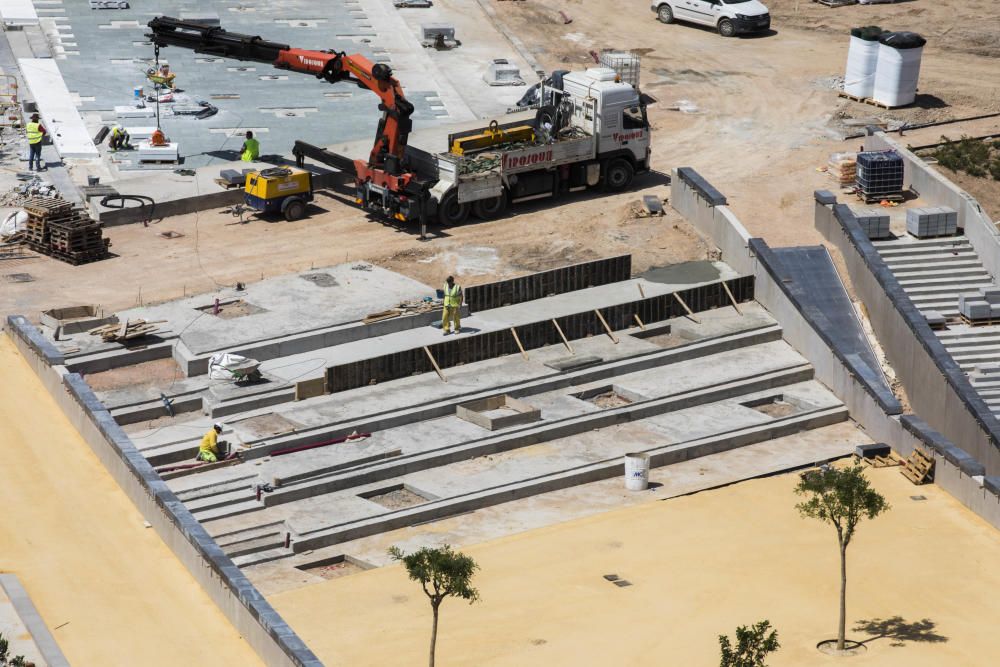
752, 646
442, 572
842, 498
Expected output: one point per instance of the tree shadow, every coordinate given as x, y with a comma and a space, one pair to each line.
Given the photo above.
899, 630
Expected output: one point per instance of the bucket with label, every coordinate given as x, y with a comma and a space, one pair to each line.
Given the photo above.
636, 471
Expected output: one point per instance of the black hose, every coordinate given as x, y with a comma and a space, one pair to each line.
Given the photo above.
142, 199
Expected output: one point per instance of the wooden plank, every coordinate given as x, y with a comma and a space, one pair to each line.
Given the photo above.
642, 292
611, 334
732, 298
123, 329
434, 363
641, 325
518, 341
563, 336
690, 314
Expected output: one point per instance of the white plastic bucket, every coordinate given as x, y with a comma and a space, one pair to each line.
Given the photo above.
636, 471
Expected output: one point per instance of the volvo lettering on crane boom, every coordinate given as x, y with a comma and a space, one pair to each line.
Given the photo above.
590, 130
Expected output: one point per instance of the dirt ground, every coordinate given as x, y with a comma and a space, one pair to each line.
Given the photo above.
765, 111
545, 599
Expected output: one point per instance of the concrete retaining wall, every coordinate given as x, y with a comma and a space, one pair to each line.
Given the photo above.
895, 320
937, 388
254, 618
939, 191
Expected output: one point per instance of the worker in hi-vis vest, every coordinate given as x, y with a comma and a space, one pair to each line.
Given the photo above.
250, 150
36, 132
209, 451
452, 306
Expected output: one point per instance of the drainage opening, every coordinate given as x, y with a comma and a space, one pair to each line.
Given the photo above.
395, 497
232, 308
335, 567
773, 406
606, 397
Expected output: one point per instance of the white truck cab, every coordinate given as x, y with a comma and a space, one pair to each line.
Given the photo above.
729, 17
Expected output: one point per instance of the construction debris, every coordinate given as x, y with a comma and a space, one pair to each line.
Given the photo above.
127, 330
406, 308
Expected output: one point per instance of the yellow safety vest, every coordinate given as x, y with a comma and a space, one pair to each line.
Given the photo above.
452, 297
252, 150
209, 442
34, 132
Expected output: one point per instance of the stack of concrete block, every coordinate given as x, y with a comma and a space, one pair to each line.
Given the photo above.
936, 221
934, 318
874, 222
982, 306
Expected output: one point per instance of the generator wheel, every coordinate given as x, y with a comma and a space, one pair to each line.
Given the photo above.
293, 209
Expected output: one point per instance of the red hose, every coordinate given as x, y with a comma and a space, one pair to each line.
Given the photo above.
335, 441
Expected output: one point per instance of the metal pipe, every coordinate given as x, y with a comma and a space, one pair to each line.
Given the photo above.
335, 441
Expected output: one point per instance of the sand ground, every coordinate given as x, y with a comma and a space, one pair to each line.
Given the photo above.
108, 588
699, 566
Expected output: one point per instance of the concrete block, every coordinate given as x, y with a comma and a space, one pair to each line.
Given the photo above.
497, 412
130, 111
109, 4
934, 318
141, 133
573, 363
432, 34
149, 153
500, 72
991, 294
825, 197
873, 450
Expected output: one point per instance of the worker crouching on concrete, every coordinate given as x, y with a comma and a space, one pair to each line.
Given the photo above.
250, 150
212, 449
120, 139
451, 315
36, 133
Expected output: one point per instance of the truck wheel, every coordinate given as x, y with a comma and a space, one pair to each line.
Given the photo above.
294, 209
490, 209
726, 28
451, 211
665, 14
618, 175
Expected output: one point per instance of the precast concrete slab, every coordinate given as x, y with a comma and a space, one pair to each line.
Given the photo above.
59, 114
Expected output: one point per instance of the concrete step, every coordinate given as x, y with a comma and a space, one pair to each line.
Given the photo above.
660, 456
940, 272
534, 434
968, 288
946, 278
905, 250
911, 242
970, 333
377, 421
958, 258
261, 530
260, 557
233, 509
254, 545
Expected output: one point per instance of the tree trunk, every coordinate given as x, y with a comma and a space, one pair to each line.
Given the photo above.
434, 631
841, 628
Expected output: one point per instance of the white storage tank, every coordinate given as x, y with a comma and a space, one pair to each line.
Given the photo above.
862, 58
898, 68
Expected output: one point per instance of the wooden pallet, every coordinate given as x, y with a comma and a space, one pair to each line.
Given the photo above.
882, 461
868, 100
919, 467
878, 198
45, 206
990, 321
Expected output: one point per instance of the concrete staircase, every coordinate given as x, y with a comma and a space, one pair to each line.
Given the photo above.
934, 272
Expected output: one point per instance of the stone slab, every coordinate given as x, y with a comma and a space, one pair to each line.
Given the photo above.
59, 114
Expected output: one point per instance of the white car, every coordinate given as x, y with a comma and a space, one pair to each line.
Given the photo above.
729, 17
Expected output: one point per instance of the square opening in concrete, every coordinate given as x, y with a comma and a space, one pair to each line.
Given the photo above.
232, 308
74, 319
774, 406
395, 497
335, 567
662, 335
498, 412
608, 396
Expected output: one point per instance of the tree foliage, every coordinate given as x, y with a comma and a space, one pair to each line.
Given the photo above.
442, 572
6, 660
840, 497
753, 644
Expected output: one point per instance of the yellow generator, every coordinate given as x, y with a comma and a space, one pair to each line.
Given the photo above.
283, 190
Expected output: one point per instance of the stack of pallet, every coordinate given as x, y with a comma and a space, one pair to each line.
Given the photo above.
125, 331
55, 228
843, 168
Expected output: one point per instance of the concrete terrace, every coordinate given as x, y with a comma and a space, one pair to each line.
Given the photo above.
684, 388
